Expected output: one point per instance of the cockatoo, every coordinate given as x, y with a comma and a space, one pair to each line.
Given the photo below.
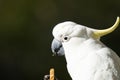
86, 56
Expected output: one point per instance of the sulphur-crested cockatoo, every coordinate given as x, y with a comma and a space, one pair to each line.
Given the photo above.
86, 56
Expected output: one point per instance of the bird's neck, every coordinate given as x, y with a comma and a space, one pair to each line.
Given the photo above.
78, 50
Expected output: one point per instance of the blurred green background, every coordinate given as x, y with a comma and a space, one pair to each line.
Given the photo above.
26, 33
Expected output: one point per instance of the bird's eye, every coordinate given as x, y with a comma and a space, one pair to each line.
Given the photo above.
66, 38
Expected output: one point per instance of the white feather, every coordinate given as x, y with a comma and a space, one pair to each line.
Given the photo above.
87, 58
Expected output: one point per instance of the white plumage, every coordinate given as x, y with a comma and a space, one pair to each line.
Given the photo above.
86, 56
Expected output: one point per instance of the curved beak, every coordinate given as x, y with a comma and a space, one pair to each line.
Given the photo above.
57, 48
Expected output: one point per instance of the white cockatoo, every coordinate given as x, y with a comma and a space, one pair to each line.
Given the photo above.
86, 56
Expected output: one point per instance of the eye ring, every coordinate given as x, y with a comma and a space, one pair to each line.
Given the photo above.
66, 38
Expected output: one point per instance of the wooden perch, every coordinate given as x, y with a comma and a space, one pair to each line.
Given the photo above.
52, 74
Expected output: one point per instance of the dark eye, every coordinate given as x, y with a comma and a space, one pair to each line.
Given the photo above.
65, 38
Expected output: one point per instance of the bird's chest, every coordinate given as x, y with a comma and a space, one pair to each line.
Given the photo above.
82, 67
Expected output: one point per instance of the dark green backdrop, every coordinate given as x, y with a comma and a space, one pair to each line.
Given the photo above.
26, 33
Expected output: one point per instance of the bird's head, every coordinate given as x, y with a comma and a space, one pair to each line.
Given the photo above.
70, 32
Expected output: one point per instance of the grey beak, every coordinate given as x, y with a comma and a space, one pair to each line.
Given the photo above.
57, 48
